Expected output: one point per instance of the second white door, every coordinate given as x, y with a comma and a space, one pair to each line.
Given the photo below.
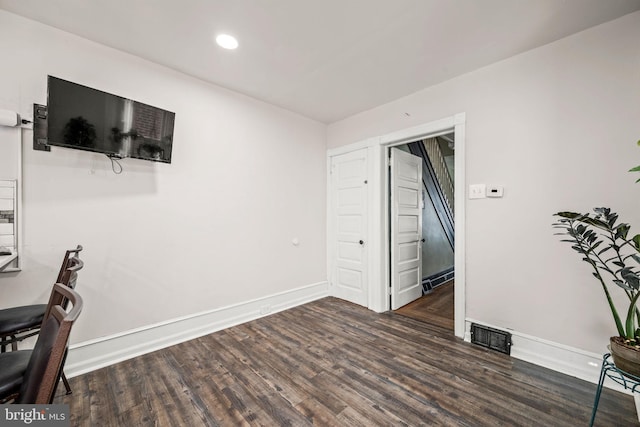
406, 228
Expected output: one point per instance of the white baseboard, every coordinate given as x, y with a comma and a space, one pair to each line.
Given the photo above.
552, 355
94, 354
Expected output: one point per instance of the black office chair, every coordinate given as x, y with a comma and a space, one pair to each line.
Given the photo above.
32, 376
20, 323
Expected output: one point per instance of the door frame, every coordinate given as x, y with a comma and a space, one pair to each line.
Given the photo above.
378, 264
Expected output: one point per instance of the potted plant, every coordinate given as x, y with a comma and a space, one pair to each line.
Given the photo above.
605, 245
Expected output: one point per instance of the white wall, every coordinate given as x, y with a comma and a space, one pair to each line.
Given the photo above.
557, 127
213, 228
10, 154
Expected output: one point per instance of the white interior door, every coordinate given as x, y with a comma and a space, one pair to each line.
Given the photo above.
349, 225
406, 228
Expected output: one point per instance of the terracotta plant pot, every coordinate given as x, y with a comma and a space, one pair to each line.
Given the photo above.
626, 357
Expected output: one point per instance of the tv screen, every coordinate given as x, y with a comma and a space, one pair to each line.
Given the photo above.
89, 119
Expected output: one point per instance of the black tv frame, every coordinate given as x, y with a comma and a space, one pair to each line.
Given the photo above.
138, 143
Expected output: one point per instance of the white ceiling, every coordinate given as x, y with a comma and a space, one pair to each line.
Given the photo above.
325, 59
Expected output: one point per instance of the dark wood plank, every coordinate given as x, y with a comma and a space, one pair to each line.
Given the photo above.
435, 307
334, 363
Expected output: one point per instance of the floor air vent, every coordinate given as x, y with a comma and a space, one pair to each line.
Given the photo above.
494, 339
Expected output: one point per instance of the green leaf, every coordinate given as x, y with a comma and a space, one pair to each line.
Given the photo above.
630, 277
633, 256
601, 211
597, 223
623, 285
604, 250
612, 219
610, 259
636, 241
636, 169
622, 230
570, 215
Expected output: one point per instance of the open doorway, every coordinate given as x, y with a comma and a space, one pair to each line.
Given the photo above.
435, 305
368, 240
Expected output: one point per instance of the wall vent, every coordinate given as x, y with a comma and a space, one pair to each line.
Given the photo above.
494, 339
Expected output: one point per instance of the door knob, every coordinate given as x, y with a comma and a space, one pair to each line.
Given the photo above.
422, 240
361, 242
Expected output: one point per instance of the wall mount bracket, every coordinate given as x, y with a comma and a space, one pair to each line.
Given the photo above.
40, 128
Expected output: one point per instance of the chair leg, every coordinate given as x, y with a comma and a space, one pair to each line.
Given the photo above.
62, 376
67, 387
4, 343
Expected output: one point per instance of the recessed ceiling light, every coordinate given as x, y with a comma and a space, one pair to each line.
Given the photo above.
226, 41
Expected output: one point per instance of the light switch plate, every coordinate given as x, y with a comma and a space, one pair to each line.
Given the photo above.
477, 191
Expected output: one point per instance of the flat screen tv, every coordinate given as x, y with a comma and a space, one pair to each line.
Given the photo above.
89, 119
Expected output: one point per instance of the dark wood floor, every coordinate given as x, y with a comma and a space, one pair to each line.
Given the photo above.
435, 307
333, 363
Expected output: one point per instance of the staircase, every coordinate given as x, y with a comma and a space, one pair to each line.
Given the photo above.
439, 187
440, 169
437, 181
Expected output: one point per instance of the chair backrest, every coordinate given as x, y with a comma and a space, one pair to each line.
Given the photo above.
65, 261
45, 365
69, 276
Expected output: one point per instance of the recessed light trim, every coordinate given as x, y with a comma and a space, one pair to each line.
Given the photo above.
226, 41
